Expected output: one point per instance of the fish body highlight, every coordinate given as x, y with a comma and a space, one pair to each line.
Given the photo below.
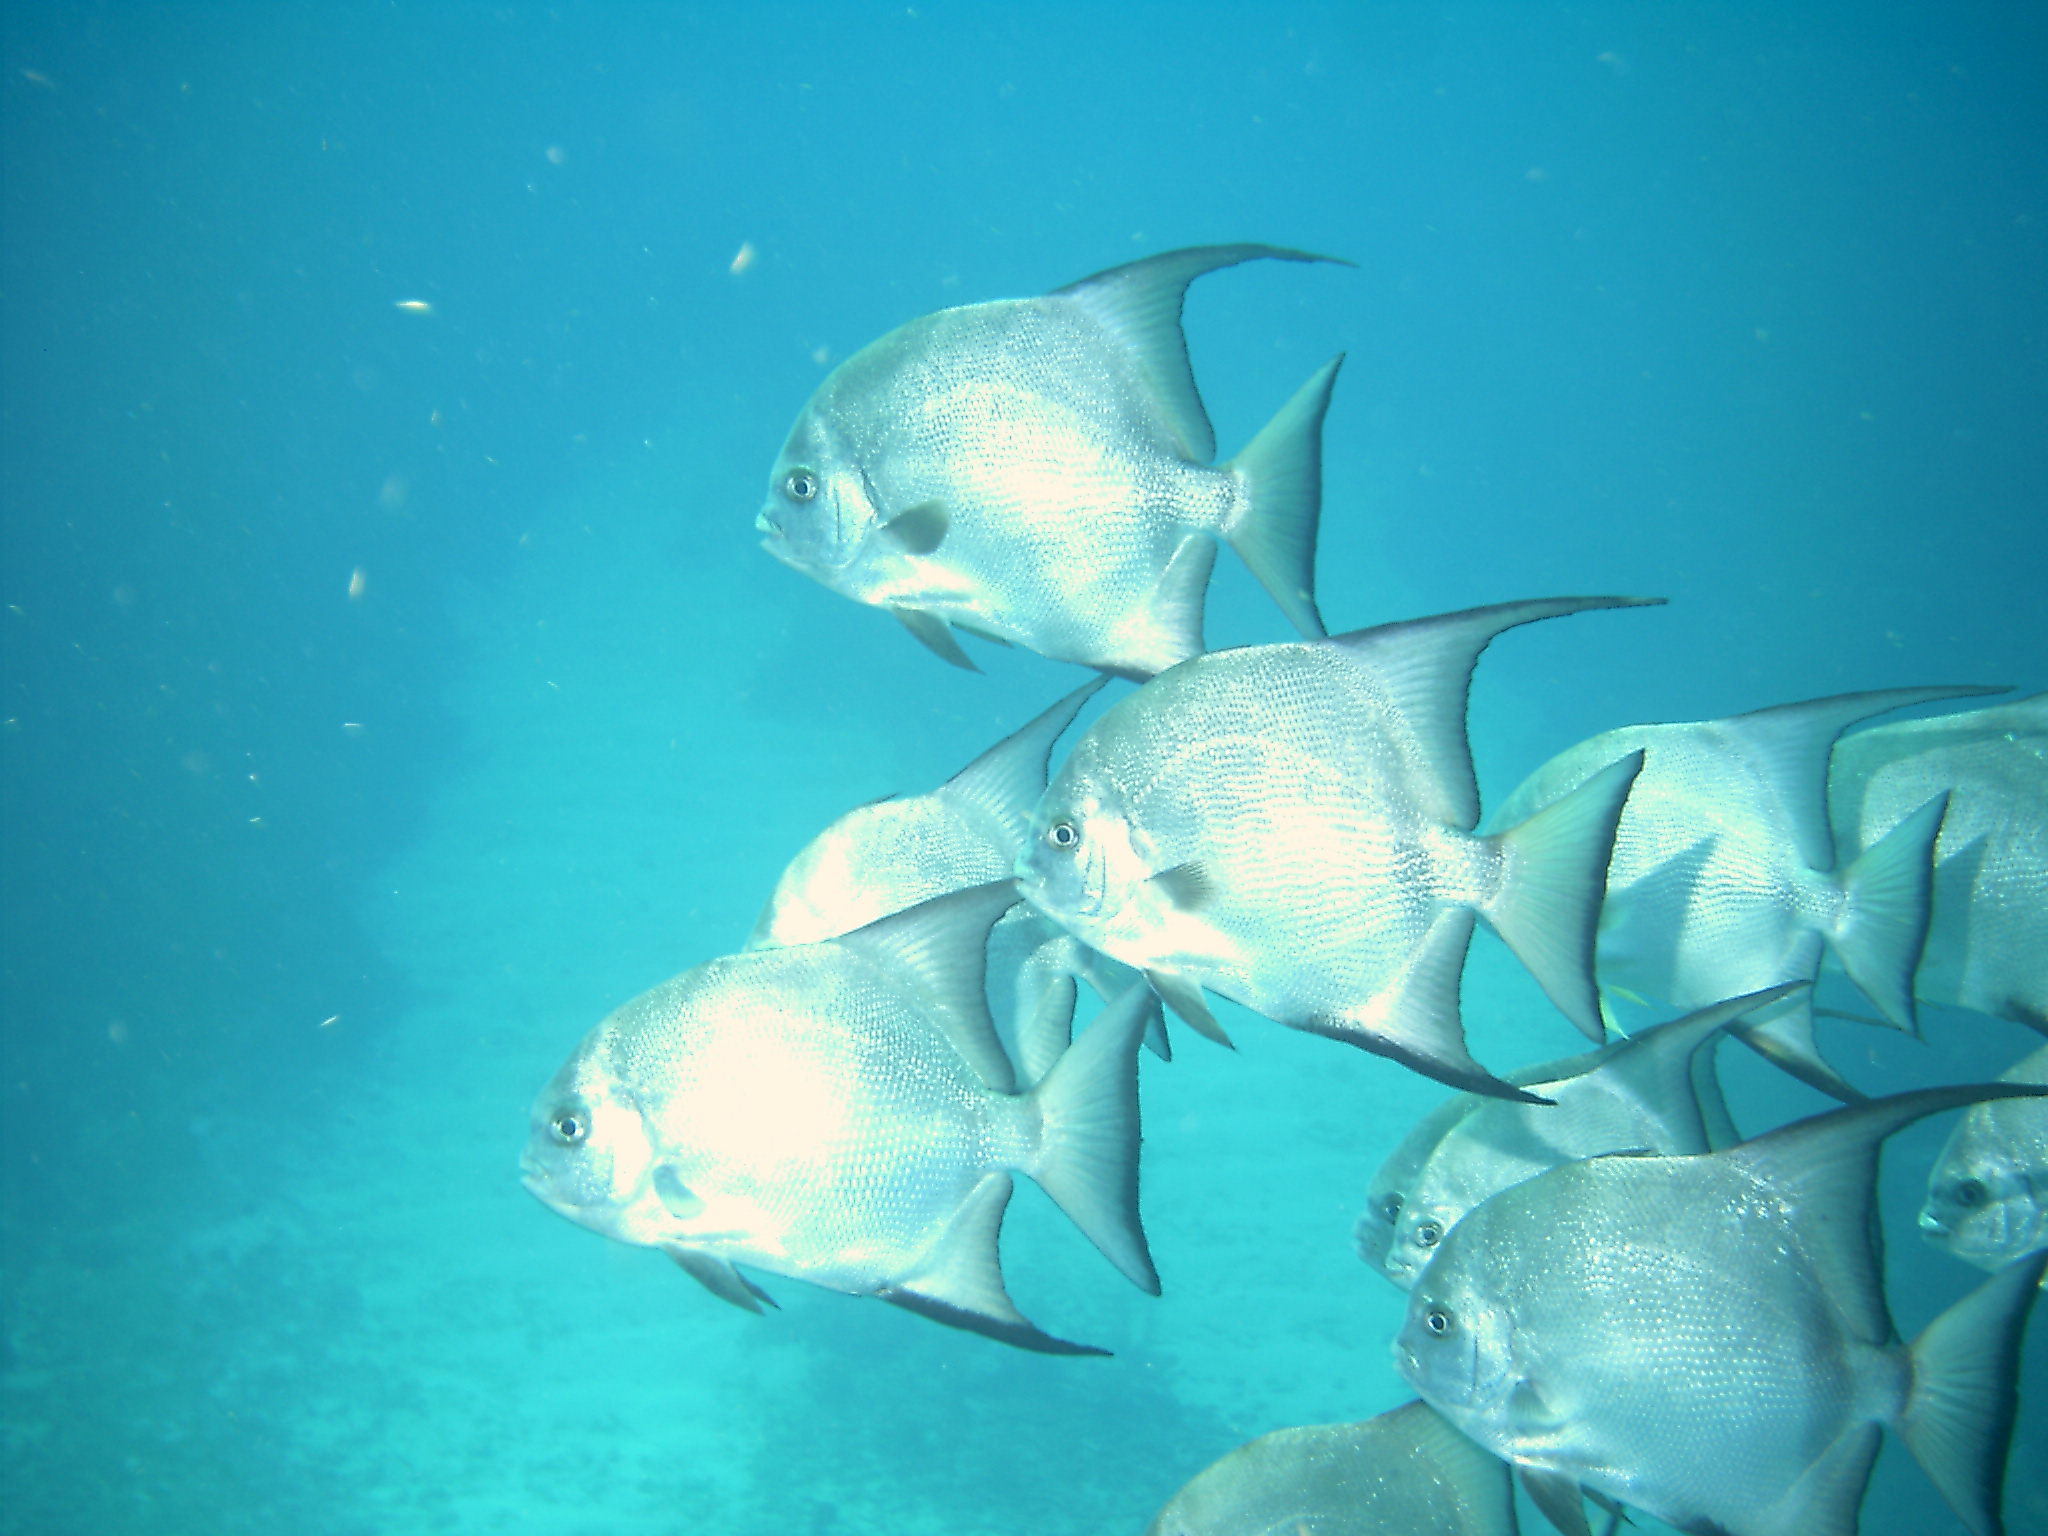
1987, 942
841, 1113
1037, 471
1706, 1338
1290, 826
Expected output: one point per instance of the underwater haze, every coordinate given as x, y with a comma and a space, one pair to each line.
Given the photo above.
393, 683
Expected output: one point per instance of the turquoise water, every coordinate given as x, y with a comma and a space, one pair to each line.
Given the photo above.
389, 692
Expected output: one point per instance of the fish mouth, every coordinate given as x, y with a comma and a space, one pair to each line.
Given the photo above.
537, 1184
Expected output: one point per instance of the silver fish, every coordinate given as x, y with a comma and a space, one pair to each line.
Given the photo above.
1987, 1198
1405, 1471
893, 853
1987, 947
1388, 1191
1290, 826
1634, 1095
1706, 1338
842, 1113
1037, 471
1724, 879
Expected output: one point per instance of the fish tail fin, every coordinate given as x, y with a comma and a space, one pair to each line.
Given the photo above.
1280, 473
1088, 1160
1959, 1412
1888, 893
1548, 909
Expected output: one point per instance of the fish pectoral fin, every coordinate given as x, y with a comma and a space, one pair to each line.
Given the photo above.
960, 1282
1184, 997
1532, 1414
1560, 1499
1189, 886
677, 1198
919, 530
935, 635
723, 1281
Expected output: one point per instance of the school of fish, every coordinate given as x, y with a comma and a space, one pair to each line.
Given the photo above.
1615, 1298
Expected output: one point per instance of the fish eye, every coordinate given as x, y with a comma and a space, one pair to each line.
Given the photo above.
1061, 834
1429, 1234
1390, 1208
568, 1127
800, 485
1970, 1193
1437, 1321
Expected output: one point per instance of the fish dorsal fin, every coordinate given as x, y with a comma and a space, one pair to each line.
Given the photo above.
1655, 1068
935, 635
1139, 304
960, 1282
1425, 667
940, 947
1007, 780
1826, 1168
723, 1281
1788, 747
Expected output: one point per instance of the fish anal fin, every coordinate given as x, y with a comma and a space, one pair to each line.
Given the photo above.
935, 635
1826, 1498
1782, 1033
1167, 629
960, 1282
722, 1280
1184, 997
1415, 1020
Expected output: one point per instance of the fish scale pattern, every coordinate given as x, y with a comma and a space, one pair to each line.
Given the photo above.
1610, 1290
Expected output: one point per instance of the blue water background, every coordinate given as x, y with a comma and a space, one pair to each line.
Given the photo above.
306, 889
